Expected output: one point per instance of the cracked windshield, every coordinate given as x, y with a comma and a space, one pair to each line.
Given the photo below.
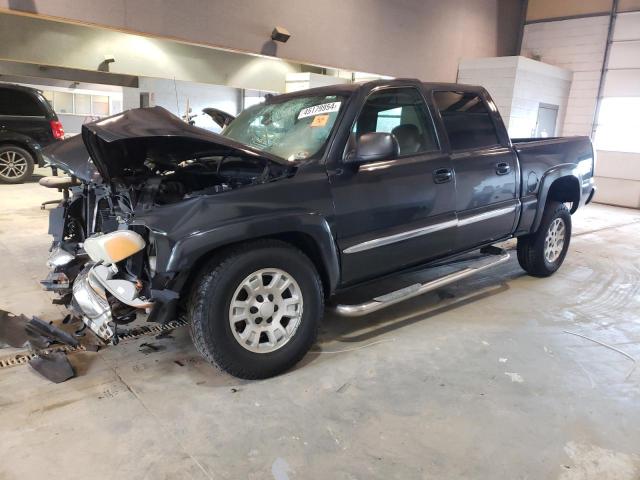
296, 129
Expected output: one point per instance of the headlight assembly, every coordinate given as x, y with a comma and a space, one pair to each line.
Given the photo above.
113, 247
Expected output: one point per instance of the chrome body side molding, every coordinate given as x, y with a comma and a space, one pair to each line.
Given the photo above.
399, 237
486, 215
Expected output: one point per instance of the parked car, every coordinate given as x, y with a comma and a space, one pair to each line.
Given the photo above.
248, 233
27, 124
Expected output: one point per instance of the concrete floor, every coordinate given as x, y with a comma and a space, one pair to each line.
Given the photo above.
478, 380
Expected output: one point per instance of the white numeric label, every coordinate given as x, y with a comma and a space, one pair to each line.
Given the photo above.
318, 109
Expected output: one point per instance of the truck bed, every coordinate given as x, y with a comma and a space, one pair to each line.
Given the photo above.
538, 155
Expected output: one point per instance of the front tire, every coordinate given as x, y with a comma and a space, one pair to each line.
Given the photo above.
16, 164
255, 311
541, 253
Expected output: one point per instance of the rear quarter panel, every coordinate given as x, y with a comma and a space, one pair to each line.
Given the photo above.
542, 161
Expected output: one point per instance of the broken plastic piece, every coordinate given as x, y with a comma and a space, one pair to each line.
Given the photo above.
124, 290
12, 329
38, 327
53, 366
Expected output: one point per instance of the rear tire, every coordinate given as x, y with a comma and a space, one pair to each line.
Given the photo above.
16, 164
268, 279
541, 253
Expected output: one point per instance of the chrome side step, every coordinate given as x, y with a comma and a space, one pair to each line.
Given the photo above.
384, 301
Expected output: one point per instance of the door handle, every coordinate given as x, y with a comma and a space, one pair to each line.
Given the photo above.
442, 175
502, 168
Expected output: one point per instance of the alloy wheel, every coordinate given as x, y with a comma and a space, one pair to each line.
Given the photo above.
12, 165
266, 310
554, 240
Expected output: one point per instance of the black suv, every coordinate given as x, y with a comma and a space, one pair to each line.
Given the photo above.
27, 124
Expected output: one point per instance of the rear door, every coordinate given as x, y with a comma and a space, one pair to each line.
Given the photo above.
485, 167
398, 212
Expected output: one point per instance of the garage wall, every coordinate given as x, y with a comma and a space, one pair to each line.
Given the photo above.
578, 45
39, 41
618, 169
518, 86
176, 95
554, 9
362, 35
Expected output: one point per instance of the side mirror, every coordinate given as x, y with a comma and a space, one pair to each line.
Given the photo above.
374, 146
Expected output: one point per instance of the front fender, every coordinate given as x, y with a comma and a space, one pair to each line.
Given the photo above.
187, 251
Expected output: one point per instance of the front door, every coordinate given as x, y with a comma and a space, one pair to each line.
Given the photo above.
398, 212
485, 168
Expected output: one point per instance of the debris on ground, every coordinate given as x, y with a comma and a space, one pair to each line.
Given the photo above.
148, 348
12, 331
46, 345
165, 334
54, 366
18, 331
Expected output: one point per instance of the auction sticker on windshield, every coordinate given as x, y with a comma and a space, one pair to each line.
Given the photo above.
320, 120
322, 108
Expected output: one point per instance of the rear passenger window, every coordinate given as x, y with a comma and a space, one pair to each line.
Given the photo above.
15, 102
466, 119
403, 113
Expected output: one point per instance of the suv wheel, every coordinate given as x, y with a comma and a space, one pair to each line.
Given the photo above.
256, 312
16, 164
541, 253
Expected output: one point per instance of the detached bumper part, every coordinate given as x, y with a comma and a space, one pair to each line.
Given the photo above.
53, 366
93, 305
90, 298
18, 331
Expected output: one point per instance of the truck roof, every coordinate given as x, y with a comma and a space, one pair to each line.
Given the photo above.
349, 89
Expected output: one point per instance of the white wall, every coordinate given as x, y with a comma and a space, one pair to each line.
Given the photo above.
174, 96
618, 172
537, 83
497, 75
577, 45
45, 42
416, 38
518, 85
618, 178
306, 80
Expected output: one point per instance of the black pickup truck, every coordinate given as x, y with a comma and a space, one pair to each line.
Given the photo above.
249, 232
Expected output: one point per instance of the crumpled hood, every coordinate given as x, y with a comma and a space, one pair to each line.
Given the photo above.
71, 156
120, 145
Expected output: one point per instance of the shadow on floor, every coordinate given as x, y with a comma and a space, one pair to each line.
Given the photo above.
349, 331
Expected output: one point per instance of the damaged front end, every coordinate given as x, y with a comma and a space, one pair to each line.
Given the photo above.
126, 169
98, 281
103, 295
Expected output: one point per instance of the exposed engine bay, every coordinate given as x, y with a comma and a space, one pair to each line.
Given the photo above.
204, 176
102, 262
